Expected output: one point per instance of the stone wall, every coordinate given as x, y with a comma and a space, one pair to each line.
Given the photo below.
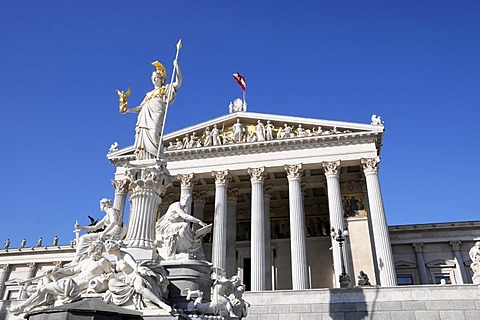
433, 302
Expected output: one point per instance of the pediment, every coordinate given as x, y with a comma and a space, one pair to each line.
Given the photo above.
439, 263
239, 131
405, 264
250, 128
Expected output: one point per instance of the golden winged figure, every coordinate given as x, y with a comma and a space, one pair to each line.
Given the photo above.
122, 97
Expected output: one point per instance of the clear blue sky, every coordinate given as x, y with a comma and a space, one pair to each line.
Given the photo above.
415, 63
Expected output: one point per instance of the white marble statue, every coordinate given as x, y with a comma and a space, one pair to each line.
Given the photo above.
173, 232
69, 282
301, 131
207, 142
288, 131
134, 282
269, 127
216, 136
110, 226
113, 147
475, 265
260, 131
6, 245
376, 120
251, 137
151, 111
226, 297
23, 243
238, 132
280, 133
39, 242
185, 141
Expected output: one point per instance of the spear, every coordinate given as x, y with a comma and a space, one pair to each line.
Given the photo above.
169, 95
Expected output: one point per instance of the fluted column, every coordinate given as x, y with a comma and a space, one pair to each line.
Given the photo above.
147, 183
335, 209
121, 190
232, 198
257, 243
383, 247
219, 252
422, 267
4, 273
186, 187
199, 200
32, 270
267, 195
297, 228
460, 265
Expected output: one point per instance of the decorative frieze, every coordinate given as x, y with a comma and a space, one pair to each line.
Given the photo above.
370, 165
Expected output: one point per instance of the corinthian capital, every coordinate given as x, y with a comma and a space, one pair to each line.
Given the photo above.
257, 174
267, 192
417, 246
200, 197
232, 195
4, 267
370, 165
221, 177
31, 265
294, 171
455, 245
121, 186
331, 168
187, 180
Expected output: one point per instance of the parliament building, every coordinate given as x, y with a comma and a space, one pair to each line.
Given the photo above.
296, 205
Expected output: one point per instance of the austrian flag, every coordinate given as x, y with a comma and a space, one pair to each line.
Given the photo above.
241, 80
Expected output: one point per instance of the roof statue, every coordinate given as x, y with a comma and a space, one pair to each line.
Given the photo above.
237, 106
376, 120
153, 109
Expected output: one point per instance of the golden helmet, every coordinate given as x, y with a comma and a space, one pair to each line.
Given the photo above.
161, 71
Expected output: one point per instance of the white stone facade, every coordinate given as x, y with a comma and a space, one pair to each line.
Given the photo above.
273, 198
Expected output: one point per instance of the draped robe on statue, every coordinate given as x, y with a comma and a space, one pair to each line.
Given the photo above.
149, 123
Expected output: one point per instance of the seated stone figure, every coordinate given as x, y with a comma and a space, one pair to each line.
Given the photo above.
135, 282
110, 226
71, 282
173, 232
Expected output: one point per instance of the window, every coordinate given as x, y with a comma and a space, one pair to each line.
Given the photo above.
440, 276
12, 294
404, 279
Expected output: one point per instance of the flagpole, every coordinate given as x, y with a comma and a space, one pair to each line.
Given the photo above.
169, 96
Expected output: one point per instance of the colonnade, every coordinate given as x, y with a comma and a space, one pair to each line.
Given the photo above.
224, 237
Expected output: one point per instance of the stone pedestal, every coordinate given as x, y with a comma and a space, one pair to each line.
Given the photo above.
148, 181
187, 274
87, 309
